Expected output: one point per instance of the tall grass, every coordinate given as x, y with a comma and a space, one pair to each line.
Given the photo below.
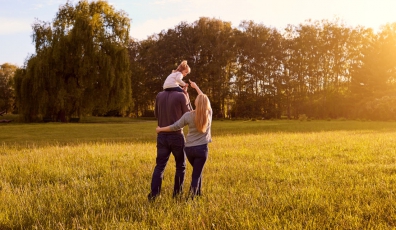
260, 175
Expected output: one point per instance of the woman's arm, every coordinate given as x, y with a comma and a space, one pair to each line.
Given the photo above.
163, 129
195, 86
176, 126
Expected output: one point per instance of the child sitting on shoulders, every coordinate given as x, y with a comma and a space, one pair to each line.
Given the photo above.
174, 82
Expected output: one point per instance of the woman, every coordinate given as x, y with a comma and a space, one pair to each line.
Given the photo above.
199, 135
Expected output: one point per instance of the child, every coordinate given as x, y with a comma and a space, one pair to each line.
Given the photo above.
174, 81
199, 135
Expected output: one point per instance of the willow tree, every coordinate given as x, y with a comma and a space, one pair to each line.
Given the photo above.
6, 90
144, 76
81, 65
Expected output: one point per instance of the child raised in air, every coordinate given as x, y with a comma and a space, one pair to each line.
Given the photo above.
174, 82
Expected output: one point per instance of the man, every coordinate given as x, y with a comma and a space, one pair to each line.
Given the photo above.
169, 107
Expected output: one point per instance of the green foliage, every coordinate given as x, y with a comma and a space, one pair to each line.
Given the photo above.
320, 68
259, 52
260, 175
7, 72
302, 117
383, 108
81, 63
86, 64
207, 45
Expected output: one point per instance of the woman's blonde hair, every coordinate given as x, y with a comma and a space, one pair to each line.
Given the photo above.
183, 66
202, 109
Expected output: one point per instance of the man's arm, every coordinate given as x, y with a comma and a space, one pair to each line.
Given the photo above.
185, 104
156, 107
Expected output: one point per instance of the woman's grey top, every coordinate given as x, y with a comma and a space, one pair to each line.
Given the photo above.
194, 137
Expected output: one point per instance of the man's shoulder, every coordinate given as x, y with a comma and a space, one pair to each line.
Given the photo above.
171, 92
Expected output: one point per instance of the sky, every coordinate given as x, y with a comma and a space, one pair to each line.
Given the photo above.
150, 17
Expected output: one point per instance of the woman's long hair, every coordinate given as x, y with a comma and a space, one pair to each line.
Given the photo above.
202, 108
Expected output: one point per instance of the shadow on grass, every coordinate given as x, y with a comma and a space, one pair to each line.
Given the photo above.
143, 130
295, 126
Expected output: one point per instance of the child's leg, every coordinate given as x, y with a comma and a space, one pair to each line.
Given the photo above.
178, 89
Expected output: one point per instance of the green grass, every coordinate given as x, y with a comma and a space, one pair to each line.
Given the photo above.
260, 175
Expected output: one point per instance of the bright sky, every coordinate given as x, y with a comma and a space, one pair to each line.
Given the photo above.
153, 16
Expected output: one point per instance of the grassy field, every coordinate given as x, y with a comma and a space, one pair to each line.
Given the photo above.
260, 175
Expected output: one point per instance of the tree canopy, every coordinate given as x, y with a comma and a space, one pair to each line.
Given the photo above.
323, 69
86, 63
7, 72
81, 65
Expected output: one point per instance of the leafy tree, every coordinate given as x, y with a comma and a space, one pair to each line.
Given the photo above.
374, 77
206, 45
144, 75
319, 68
303, 66
320, 60
214, 60
259, 59
378, 72
137, 75
7, 72
153, 59
81, 65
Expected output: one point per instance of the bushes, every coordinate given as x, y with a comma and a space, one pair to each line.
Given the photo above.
383, 108
302, 117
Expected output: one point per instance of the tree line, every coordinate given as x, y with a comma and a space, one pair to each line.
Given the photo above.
86, 64
322, 69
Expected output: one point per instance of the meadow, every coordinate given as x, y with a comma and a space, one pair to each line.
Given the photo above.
260, 175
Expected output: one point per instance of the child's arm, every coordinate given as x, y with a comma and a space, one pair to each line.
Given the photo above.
179, 79
195, 86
